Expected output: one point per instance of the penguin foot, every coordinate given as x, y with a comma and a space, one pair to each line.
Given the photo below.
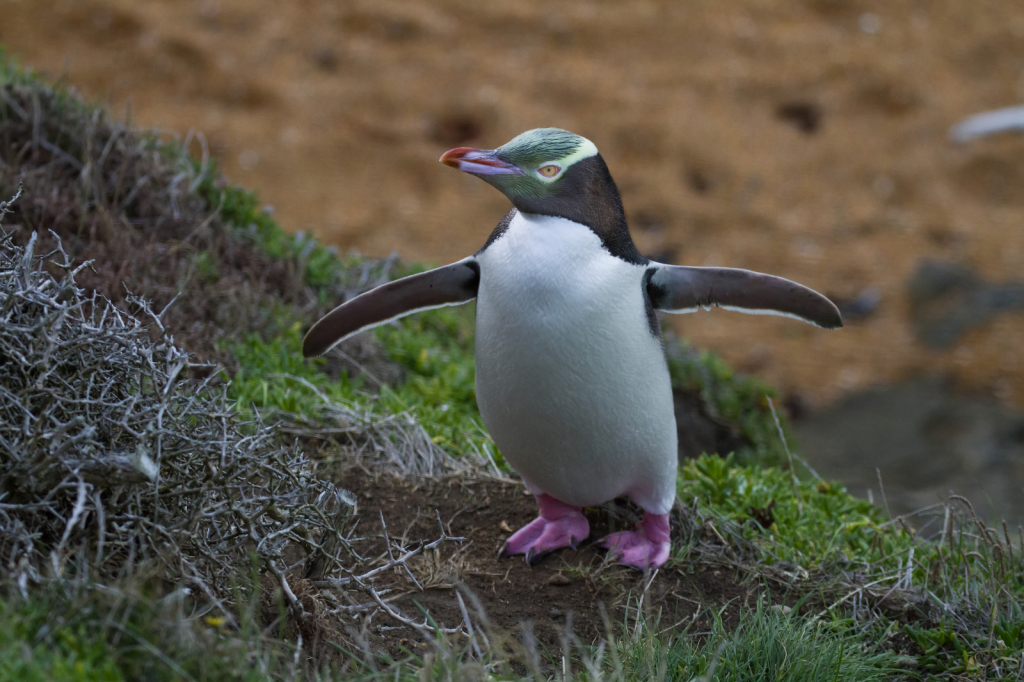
644, 548
559, 525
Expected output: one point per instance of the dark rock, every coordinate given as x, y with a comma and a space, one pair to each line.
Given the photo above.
804, 116
948, 299
925, 441
861, 306
325, 57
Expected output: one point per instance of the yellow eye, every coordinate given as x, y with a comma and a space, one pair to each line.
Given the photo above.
549, 171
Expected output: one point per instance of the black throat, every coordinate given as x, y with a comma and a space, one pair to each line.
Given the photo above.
588, 195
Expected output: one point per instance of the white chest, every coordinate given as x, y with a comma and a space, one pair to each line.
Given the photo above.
571, 381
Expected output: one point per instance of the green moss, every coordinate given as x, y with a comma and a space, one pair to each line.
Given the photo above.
436, 348
809, 522
11, 73
974, 573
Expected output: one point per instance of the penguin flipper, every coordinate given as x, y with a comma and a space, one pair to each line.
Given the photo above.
682, 289
449, 285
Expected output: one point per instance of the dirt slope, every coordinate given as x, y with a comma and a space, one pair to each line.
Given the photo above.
807, 139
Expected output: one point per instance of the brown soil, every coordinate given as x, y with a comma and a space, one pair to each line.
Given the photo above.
565, 582
806, 139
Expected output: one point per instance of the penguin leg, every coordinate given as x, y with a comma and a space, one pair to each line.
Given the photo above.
643, 548
559, 525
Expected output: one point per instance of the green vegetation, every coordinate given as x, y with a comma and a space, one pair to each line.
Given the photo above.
767, 645
855, 562
241, 209
803, 522
32, 651
435, 348
731, 398
113, 635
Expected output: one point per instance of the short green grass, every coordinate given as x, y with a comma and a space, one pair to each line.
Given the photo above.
435, 348
241, 209
808, 522
92, 634
973, 575
30, 651
767, 645
733, 398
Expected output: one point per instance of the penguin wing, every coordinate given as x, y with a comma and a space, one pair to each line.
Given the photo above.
451, 285
681, 289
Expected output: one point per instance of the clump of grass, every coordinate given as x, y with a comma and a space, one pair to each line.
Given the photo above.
129, 202
119, 466
958, 597
790, 520
83, 633
319, 265
766, 645
70, 652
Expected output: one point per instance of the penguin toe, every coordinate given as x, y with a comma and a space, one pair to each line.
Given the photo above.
541, 536
523, 539
645, 548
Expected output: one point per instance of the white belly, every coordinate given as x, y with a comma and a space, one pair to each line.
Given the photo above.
571, 382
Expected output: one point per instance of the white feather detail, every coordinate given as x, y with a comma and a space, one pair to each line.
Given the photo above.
738, 309
584, 151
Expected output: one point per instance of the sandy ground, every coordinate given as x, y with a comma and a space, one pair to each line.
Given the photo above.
807, 139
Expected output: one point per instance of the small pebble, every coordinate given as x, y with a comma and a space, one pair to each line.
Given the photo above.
559, 580
780, 608
555, 613
505, 527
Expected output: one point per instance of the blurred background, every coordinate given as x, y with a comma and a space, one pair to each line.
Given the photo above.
808, 139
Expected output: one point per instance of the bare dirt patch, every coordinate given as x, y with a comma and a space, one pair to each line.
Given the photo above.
568, 586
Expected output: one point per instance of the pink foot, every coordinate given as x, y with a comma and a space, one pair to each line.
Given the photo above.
646, 547
559, 525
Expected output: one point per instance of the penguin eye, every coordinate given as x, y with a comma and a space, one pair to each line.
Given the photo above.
549, 171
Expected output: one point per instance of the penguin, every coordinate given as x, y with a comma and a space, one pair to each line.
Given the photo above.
572, 379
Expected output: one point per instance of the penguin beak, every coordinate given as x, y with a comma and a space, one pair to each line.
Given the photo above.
478, 162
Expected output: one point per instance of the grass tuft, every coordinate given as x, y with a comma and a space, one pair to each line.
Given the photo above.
767, 645
803, 522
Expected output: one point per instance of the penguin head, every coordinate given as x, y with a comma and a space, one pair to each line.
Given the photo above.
552, 172
544, 171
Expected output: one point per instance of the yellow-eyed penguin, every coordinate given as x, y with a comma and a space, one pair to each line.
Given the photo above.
571, 376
